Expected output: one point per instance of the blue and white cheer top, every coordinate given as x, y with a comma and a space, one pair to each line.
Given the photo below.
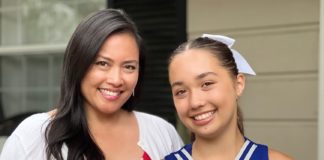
249, 151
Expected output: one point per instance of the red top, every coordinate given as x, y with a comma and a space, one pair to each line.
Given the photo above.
146, 156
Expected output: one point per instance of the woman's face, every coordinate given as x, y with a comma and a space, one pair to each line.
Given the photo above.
112, 77
204, 92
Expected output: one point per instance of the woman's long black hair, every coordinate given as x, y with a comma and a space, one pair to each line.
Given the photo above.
69, 123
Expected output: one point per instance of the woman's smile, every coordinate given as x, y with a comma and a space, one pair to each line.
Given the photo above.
109, 94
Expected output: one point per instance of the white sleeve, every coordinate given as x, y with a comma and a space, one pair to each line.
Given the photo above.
177, 142
157, 136
27, 142
13, 149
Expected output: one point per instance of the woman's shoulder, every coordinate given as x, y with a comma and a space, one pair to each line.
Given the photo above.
150, 118
27, 139
32, 125
157, 135
34, 120
148, 122
37, 117
277, 155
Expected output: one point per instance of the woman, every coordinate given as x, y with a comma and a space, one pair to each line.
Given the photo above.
102, 70
206, 78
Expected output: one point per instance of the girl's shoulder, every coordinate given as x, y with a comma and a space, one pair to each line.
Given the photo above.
277, 155
250, 150
261, 151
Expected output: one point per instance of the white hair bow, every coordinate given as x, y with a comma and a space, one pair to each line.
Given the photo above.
242, 65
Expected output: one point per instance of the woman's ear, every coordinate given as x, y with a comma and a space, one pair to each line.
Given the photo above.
240, 84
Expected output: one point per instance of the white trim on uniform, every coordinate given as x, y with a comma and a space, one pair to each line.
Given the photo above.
246, 143
178, 157
185, 152
249, 154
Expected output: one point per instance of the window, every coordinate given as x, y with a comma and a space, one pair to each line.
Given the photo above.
33, 36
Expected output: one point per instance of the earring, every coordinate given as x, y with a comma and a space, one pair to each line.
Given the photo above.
133, 93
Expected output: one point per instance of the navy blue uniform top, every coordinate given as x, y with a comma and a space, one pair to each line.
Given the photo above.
249, 151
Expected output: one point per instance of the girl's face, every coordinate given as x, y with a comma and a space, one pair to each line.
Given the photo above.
112, 77
204, 92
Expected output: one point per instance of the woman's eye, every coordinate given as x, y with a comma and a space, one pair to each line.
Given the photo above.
130, 67
102, 63
180, 92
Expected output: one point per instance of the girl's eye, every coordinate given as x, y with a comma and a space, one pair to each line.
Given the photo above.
206, 84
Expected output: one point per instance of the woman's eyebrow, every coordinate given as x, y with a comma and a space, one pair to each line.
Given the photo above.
177, 83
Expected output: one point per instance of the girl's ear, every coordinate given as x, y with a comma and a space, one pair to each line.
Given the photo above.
240, 84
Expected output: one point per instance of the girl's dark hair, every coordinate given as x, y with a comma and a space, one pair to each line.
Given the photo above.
222, 53
69, 125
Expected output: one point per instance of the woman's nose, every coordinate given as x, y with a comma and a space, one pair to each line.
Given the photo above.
114, 77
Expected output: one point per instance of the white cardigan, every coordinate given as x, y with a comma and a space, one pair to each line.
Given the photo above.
158, 138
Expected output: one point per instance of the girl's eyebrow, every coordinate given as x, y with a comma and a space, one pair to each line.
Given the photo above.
202, 75
198, 77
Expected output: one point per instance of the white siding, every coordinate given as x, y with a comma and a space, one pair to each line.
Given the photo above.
321, 88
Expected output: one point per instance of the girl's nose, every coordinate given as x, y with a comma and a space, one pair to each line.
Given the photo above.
197, 100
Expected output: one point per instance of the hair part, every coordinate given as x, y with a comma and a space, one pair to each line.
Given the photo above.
69, 125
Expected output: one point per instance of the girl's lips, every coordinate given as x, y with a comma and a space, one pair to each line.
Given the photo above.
203, 118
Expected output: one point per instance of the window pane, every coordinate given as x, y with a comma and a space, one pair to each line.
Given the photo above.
12, 103
57, 68
37, 71
12, 76
37, 101
47, 22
